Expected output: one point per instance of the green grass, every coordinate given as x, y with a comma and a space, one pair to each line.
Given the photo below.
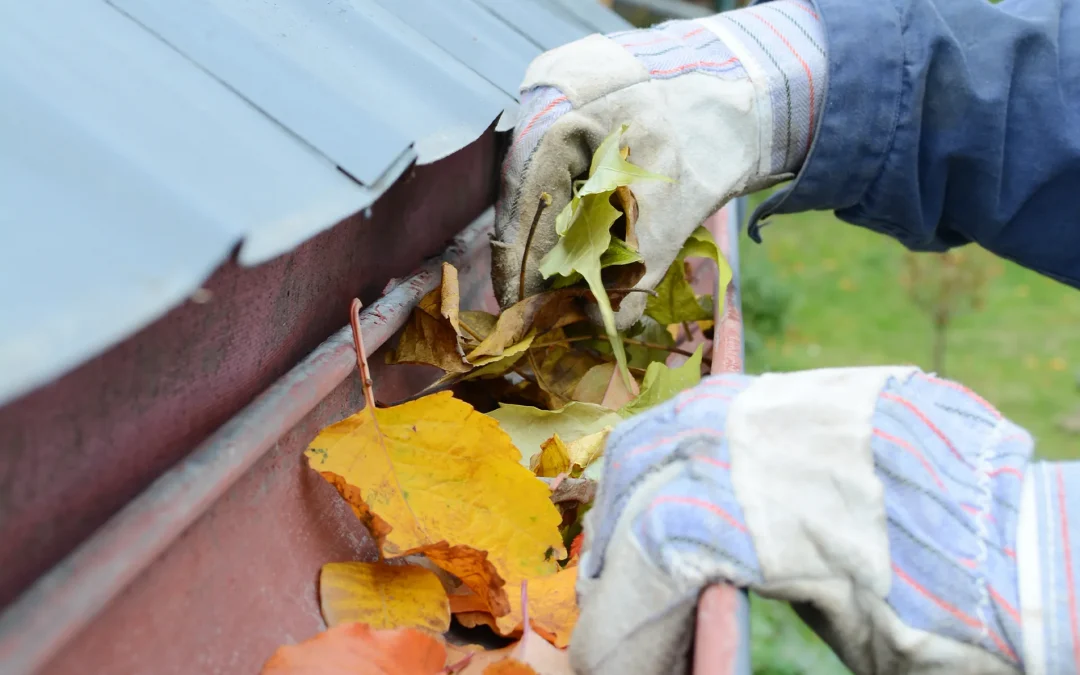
850, 309
1020, 352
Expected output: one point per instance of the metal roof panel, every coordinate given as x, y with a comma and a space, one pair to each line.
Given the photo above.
143, 139
345, 75
592, 15
541, 24
127, 174
474, 35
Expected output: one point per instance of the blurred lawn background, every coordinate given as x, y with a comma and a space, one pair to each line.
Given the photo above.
839, 292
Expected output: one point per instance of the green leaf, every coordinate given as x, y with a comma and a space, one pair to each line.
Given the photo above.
529, 427
579, 250
675, 300
607, 171
610, 170
661, 383
618, 253
584, 226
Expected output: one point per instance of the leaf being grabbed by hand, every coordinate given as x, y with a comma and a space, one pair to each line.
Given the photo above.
584, 227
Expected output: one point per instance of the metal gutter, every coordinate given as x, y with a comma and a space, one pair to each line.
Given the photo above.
61, 604
68, 597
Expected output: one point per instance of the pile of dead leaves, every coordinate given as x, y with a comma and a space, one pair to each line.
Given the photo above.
477, 516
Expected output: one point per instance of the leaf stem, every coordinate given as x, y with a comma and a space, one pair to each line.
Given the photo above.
629, 341
545, 201
625, 291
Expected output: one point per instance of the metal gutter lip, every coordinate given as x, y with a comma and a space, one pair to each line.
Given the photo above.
65, 599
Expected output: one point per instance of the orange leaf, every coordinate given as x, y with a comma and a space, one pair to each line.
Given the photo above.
474, 619
575, 546
475, 571
383, 596
356, 649
463, 603
509, 667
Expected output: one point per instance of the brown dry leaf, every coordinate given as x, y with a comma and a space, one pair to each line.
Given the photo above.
560, 371
434, 470
552, 459
383, 596
474, 570
476, 324
359, 650
433, 334
539, 313
624, 200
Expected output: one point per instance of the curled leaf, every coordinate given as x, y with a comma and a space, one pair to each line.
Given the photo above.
552, 460
433, 334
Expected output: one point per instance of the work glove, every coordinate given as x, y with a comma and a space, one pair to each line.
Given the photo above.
723, 106
897, 511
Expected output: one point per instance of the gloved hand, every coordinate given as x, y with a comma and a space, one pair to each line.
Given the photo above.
724, 106
890, 506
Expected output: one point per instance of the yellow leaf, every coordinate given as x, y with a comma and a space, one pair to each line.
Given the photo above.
552, 459
358, 650
583, 452
553, 609
529, 427
433, 334
383, 596
435, 470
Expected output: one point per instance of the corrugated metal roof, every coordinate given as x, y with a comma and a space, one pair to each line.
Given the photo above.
143, 139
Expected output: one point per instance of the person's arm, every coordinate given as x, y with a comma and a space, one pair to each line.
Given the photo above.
898, 511
951, 121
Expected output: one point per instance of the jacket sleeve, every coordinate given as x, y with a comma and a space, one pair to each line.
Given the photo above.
951, 121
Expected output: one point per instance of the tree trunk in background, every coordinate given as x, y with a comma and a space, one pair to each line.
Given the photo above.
941, 339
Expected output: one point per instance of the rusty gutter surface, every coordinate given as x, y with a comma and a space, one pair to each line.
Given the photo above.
722, 639
64, 600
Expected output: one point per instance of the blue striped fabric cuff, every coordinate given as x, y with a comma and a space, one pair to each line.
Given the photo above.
1049, 568
781, 44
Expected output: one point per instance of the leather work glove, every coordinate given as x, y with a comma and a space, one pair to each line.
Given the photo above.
897, 511
724, 106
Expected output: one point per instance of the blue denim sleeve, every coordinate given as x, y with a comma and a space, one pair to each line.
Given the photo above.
951, 121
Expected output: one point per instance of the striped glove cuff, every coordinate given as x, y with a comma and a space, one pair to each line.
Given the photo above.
1049, 568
